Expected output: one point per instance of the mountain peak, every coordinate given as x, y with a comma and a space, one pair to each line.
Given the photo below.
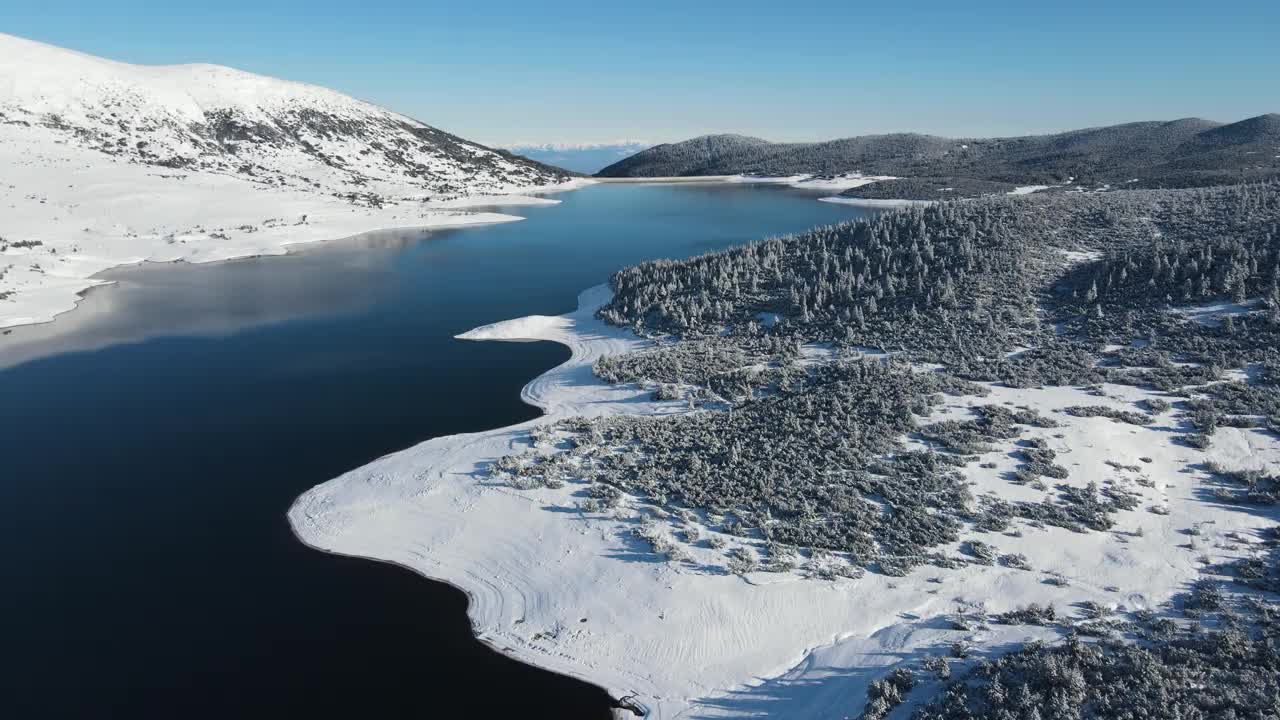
211, 117
1260, 128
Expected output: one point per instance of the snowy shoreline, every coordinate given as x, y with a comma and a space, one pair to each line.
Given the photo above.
800, 182
104, 164
138, 215
58, 243
573, 593
874, 202
311, 516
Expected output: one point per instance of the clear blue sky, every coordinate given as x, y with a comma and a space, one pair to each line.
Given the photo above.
575, 71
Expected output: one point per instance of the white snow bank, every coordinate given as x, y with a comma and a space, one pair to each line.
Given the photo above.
526, 329
90, 212
515, 196
1028, 189
575, 593
802, 182
1078, 256
813, 182
1213, 313
666, 180
874, 202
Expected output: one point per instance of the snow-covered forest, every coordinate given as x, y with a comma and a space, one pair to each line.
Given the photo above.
815, 371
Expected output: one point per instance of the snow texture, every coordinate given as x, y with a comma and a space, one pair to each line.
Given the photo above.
835, 183
105, 163
874, 202
579, 594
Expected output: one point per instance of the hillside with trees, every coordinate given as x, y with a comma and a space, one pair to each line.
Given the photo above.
1023, 291
1179, 153
813, 366
818, 370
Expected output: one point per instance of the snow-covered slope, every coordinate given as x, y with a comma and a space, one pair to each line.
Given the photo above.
104, 163
578, 593
271, 131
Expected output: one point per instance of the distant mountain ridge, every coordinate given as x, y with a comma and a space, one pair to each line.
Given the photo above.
1187, 152
270, 131
579, 157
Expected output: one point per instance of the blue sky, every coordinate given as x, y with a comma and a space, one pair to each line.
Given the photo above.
575, 71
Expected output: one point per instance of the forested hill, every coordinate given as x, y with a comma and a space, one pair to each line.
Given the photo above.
804, 453
1179, 153
958, 281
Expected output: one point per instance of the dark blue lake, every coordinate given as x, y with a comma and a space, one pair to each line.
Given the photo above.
152, 440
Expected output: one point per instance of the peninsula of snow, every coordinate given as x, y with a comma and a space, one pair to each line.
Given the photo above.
581, 593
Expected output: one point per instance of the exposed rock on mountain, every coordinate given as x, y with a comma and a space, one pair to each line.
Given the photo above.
104, 163
206, 117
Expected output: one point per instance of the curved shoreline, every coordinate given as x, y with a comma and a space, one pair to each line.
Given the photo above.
98, 282
799, 182
685, 638
541, 576
487, 642
874, 202
61, 289
537, 328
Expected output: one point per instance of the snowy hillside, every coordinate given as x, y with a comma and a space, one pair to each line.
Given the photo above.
104, 163
271, 131
712, 530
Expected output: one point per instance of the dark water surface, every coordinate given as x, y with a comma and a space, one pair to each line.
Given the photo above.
152, 440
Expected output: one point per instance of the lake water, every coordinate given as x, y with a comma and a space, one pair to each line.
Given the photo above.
152, 440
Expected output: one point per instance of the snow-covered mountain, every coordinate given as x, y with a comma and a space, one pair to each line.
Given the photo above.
104, 163
219, 119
